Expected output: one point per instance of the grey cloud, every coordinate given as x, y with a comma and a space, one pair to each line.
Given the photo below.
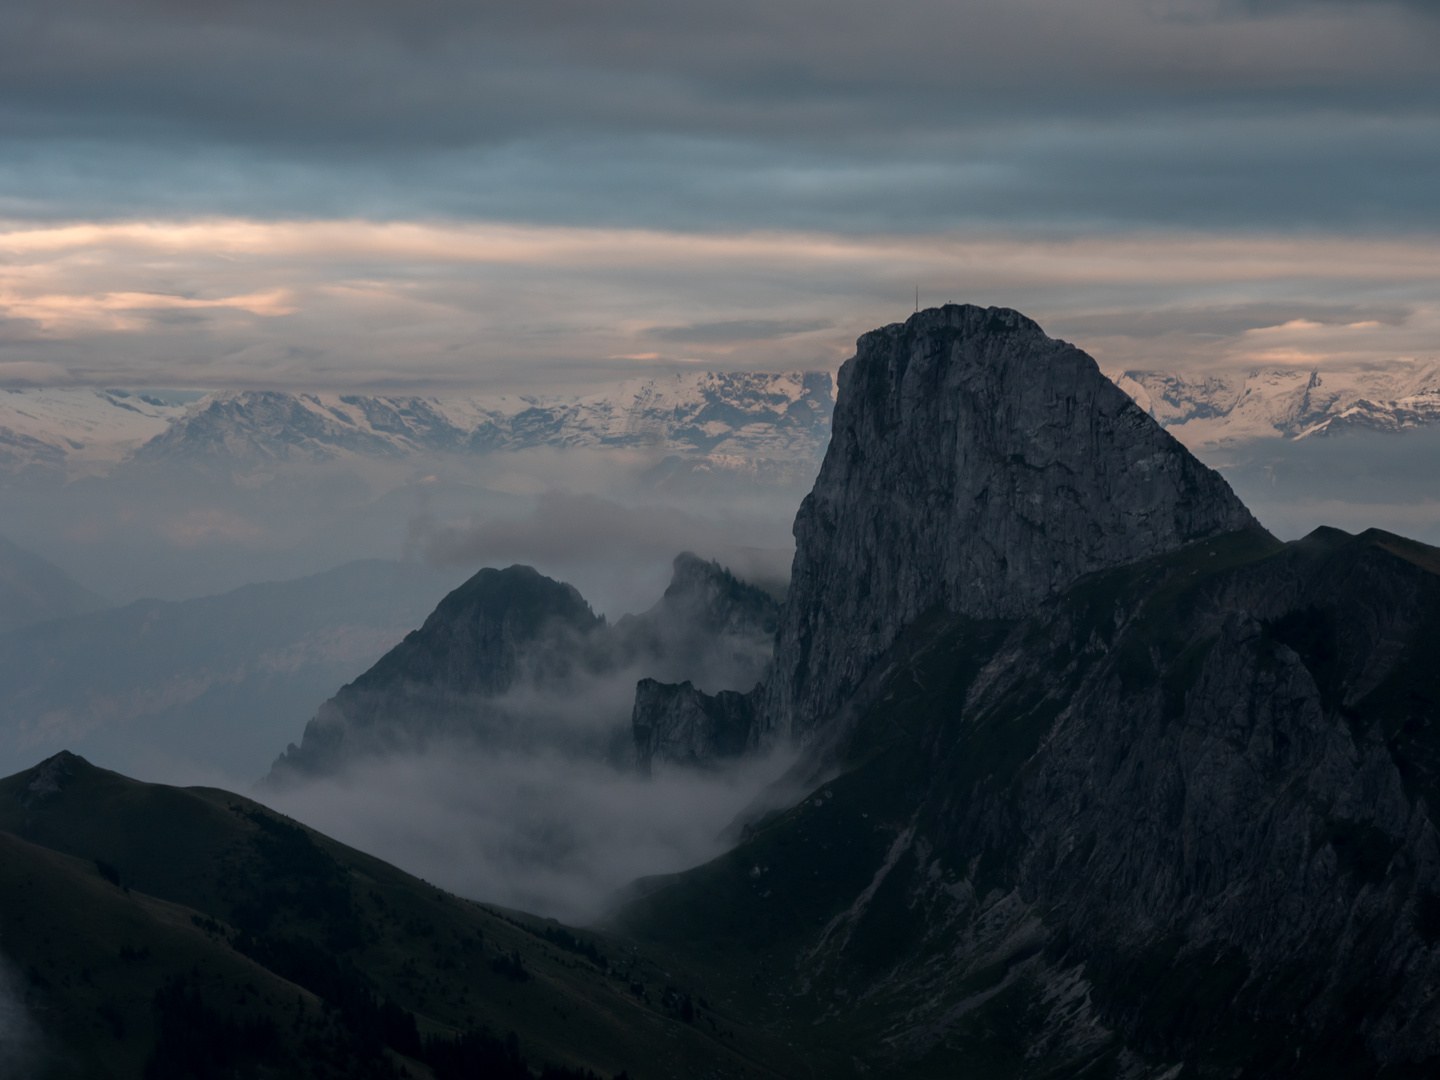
542, 833
1261, 8
587, 539
1223, 321
1297, 165
736, 330
917, 115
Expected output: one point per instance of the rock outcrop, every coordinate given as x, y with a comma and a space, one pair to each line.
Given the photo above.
1110, 781
979, 467
1114, 782
499, 631
679, 724
709, 627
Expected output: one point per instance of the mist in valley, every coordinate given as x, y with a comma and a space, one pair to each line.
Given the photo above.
1355, 480
208, 679
241, 600
540, 831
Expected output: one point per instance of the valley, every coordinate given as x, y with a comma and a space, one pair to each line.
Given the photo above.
1086, 773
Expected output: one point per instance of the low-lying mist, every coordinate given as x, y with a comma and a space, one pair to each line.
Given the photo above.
541, 832
602, 519
1352, 480
20, 1045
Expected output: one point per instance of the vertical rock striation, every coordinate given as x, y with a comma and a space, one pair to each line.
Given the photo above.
678, 724
977, 466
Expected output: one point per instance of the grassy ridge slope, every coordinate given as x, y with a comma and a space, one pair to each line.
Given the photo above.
212, 881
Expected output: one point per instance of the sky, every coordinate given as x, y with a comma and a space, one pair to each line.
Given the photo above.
446, 195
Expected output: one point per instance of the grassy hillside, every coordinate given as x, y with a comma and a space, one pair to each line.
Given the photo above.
135, 913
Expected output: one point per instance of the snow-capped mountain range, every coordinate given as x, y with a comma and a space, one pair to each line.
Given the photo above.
718, 420
1216, 410
717, 416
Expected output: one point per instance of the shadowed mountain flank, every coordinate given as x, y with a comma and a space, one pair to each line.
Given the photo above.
164, 932
1178, 816
979, 467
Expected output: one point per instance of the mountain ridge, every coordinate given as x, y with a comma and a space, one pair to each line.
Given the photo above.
271, 950
714, 416
1291, 403
1164, 813
34, 590
1097, 777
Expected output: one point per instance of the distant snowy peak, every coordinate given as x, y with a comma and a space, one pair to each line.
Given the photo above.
72, 431
720, 417
1287, 402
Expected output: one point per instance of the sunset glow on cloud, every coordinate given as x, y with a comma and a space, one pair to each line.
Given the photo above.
550, 194
232, 301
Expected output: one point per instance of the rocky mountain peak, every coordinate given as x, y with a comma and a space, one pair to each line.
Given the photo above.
473, 640
976, 466
716, 600
500, 629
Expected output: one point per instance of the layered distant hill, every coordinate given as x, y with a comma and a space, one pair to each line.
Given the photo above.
1293, 403
211, 685
728, 418
34, 590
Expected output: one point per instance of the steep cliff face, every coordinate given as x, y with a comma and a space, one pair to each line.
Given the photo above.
678, 724
979, 467
1122, 785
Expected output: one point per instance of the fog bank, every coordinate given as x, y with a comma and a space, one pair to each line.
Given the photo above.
1353, 481
538, 832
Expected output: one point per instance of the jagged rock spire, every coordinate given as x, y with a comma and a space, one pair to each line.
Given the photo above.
976, 465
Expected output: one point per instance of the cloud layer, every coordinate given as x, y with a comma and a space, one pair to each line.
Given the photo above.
841, 115
252, 192
544, 833
346, 304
